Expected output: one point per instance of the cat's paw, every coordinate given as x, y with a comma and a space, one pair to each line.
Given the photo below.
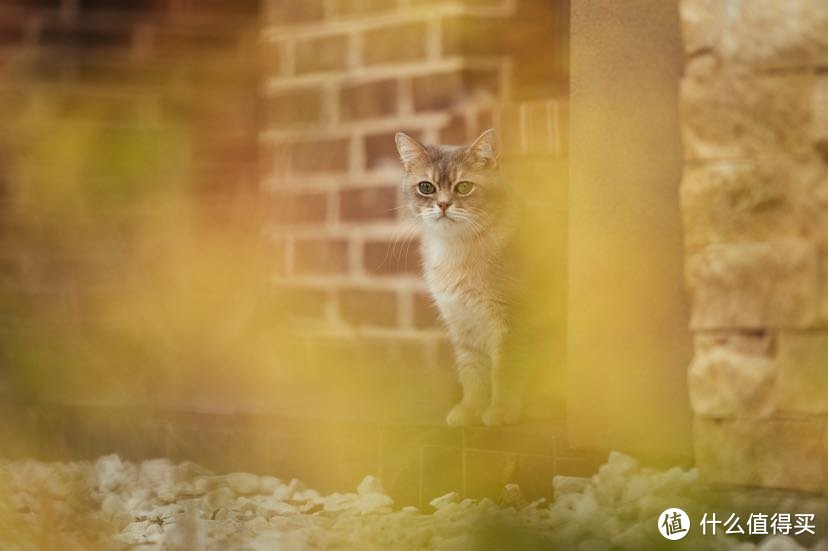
497, 415
462, 415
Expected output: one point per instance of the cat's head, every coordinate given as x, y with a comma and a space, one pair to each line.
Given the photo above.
450, 188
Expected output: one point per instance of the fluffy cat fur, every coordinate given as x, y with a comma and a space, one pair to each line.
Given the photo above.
474, 248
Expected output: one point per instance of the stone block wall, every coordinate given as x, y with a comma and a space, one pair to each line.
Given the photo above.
755, 204
344, 77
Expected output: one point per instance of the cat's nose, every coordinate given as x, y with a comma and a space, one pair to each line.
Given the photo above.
444, 205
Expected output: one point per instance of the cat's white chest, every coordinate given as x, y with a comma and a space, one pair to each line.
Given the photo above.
461, 286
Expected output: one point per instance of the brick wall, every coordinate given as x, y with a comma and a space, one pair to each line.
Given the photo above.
754, 201
345, 76
196, 112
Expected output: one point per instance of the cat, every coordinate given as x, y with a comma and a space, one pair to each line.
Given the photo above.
474, 237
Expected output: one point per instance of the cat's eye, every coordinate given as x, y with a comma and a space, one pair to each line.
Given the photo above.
464, 188
426, 188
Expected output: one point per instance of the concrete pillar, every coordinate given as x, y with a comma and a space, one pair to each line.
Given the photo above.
629, 346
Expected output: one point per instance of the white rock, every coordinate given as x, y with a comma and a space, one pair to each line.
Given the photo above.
568, 485
339, 502
158, 476
243, 483
111, 472
779, 543
269, 484
282, 508
444, 500
370, 485
286, 491
257, 524
220, 498
306, 495
511, 495
374, 503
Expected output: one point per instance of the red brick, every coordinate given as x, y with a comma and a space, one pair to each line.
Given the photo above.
321, 155
534, 474
470, 3
320, 256
182, 41
287, 11
445, 355
298, 107
213, 7
454, 132
368, 204
12, 33
398, 43
333, 352
273, 157
392, 257
303, 301
296, 208
364, 307
442, 471
271, 59
510, 128
486, 472
467, 35
45, 4
563, 129
327, 53
542, 127
392, 354
443, 91
276, 253
381, 150
87, 39
425, 312
584, 466
485, 120
371, 100
362, 7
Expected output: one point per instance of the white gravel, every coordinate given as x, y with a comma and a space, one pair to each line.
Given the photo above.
113, 504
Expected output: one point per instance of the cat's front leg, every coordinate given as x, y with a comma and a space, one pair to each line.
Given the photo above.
472, 371
507, 390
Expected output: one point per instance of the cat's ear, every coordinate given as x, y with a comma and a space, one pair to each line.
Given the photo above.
485, 151
410, 150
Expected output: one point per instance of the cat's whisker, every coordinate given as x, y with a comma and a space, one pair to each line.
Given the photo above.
408, 247
404, 232
407, 243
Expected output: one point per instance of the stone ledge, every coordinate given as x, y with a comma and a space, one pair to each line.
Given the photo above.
417, 461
